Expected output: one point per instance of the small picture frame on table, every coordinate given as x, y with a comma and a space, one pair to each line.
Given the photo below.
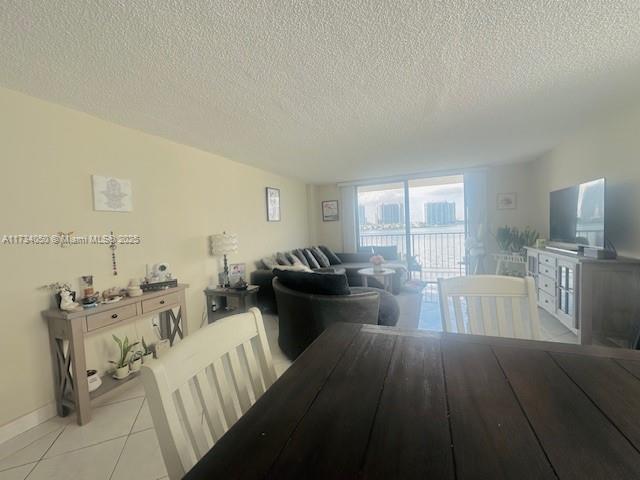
330, 211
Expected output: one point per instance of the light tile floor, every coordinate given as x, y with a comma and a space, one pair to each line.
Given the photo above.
119, 443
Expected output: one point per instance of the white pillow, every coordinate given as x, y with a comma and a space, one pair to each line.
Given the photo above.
294, 268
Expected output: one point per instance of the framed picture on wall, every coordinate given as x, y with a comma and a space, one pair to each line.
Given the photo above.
111, 194
330, 211
273, 204
507, 201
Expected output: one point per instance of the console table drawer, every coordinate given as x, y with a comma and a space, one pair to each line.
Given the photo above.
109, 317
547, 301
160, 302
547, 285
548, 260
547, 270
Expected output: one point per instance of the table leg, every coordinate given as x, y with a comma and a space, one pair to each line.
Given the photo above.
365, 282
59, 378
79, 369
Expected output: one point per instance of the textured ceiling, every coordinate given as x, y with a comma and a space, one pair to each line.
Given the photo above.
331, 90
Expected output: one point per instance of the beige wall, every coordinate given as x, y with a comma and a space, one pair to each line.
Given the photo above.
180, 195
325, 233
607, 148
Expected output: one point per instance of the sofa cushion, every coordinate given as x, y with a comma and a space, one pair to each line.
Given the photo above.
292, 258
282, 259
300, 254
314, 282
333, 258
320, 257
298, 267
311, 260
269, 262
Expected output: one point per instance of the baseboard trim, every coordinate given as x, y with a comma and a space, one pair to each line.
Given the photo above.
27, 422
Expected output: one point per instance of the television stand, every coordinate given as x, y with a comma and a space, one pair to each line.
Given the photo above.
590, 296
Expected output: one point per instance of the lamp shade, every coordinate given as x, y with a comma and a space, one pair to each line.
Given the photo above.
223, 244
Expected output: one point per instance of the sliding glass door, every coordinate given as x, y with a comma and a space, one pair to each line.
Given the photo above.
424, 219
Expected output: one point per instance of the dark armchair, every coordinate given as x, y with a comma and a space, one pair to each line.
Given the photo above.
304, 316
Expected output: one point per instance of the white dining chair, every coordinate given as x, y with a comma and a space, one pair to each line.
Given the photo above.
202, 385
490, 305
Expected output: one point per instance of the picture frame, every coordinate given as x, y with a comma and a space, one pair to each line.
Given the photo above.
507, 201
111, 194
273, 204
330, 211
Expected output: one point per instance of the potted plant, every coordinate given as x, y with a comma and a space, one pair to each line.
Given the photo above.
512, 240
135, 362
147, 353
122, 365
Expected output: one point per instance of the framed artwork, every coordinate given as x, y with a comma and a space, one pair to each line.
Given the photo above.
330, 211
111, 194
507, 201
273, 204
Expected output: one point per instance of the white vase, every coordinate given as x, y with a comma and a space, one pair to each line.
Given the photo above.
377, 268
121, 373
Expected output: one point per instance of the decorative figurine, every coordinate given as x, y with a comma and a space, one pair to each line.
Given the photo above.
66, 301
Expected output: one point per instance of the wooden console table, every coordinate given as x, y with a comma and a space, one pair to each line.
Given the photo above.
69, 365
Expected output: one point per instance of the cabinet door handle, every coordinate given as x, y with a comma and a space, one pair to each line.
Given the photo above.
115, 315
161, 302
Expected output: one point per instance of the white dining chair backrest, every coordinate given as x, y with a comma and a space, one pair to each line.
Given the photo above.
202, 385
490, 305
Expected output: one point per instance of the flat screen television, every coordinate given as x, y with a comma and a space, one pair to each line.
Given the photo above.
577, 216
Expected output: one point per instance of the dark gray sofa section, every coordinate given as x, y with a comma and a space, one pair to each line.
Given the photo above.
303, 317
351, 262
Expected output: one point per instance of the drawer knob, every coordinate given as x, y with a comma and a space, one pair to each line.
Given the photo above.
115, 315
161, 302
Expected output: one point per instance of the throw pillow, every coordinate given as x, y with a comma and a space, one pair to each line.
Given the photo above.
320, 257
282, 259
293, 259
333, 258
311, 260
300, 254
293, 268
270, 262
314, 282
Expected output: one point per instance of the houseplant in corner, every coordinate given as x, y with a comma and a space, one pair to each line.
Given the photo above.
122, 364
135, 362
147, 353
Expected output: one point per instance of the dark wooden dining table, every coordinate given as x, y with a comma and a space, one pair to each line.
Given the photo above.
378, 402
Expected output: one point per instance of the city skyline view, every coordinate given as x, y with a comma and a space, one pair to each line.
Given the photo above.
372, 201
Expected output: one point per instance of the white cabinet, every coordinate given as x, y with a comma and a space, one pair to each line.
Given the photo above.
590, 297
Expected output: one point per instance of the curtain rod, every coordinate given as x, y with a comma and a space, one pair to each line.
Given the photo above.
413, 176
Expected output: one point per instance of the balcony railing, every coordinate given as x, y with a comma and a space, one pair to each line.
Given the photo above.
441, 255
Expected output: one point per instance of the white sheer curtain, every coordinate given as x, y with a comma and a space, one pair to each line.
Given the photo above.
349, 224
475, 199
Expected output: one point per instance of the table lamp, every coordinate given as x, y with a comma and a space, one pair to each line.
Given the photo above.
223, 244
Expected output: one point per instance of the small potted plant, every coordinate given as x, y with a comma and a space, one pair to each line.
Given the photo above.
122, 365
135, 362
377, 261
147, 353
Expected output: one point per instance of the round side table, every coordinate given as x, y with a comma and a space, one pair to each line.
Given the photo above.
386, 274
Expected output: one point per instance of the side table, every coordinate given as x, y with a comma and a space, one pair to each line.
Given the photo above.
386, 274
222, 302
